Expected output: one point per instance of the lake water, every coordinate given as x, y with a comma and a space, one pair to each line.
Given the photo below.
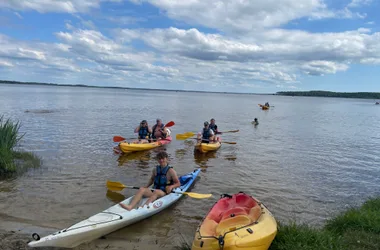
307, 160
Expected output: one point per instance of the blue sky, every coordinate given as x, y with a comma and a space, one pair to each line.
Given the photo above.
239, 46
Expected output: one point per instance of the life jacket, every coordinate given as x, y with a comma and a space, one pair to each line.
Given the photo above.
154, 129
160, 180
143, 133
206, 134
213, 127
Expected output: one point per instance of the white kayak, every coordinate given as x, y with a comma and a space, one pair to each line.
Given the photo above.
111, 219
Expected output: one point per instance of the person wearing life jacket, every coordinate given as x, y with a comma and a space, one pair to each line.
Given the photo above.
266, 104
164, 179
159, 131
213, 126
144, 132
207, 135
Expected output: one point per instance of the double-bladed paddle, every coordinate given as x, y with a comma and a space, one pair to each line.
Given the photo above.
117, 186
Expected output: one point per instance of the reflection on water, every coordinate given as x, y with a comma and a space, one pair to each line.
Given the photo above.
115, 196
141, 158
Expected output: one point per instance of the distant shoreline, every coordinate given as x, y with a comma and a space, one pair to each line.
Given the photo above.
321, 93
113, 87
312, 93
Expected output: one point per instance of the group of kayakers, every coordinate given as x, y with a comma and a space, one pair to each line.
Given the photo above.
164, 178
148, 134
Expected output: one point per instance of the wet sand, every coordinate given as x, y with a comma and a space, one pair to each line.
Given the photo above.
12, 240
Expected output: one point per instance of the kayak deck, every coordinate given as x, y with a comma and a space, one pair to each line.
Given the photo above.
111, 219
206, 147
127, 147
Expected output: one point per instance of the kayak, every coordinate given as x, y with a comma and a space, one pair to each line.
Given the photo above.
206, 147
111, 219
263, 107
236, 222
127, 147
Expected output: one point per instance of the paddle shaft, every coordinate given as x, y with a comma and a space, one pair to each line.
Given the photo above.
132, 187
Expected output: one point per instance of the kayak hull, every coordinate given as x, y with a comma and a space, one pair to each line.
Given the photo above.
127, 147
207, 147
263, 107
240, 221
112, 219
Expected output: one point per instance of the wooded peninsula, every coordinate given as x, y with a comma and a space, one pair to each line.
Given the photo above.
320, 93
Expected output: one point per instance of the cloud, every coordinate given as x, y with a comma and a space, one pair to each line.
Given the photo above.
319, 68
44, 6
358, 3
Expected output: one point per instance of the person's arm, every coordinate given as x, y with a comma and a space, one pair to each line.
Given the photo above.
137, 129
150, 130
176, 182
151, 180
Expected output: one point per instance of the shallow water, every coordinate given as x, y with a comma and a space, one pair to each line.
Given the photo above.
308, 159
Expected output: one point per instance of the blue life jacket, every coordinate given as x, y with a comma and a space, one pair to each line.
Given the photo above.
154, 129
206, 134
160, 180
213, 127
143, 132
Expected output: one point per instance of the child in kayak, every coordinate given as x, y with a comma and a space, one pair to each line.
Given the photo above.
163, 177
213, 126
144, 132
207, 135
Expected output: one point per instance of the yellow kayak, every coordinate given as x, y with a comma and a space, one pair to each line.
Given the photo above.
206, 147
127, 147
236, 222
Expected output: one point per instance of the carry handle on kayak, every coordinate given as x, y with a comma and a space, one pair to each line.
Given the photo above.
118, 186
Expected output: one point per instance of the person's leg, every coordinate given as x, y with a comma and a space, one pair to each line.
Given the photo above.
156, 194
143, 192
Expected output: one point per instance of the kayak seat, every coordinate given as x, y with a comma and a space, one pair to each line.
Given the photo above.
234, 212
185, 179
232, 223
255, 213
244, 200
208, 227
218, 210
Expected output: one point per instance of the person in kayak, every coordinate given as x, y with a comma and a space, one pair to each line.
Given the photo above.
159, 131
144, 132
207, 135
213, 126
164, 179
266, 104
255, 122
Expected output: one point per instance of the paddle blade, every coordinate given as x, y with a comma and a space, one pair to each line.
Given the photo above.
169, 124
184, 136
229, 142
198, 196
118, 138
115, 186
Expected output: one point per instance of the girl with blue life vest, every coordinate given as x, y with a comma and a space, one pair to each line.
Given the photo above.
164, 180
207, 135
144, 132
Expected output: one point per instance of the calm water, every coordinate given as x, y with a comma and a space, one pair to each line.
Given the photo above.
308, 159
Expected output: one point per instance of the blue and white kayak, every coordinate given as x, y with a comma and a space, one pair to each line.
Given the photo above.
111, 219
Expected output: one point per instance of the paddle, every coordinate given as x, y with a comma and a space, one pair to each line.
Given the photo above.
117, 186
186, 135
118, 138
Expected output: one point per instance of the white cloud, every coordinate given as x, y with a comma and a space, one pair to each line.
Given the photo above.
43, 6
323, 67
358, 3
4, 63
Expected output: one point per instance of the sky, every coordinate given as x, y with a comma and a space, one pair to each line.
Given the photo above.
251, 46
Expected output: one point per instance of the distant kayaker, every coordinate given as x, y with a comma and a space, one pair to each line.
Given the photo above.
144, 132
213, 126
159, 131
207, 135
255, 122
164, 179
266, 104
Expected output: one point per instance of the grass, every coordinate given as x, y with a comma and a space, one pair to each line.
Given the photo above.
11, 161
354, 229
